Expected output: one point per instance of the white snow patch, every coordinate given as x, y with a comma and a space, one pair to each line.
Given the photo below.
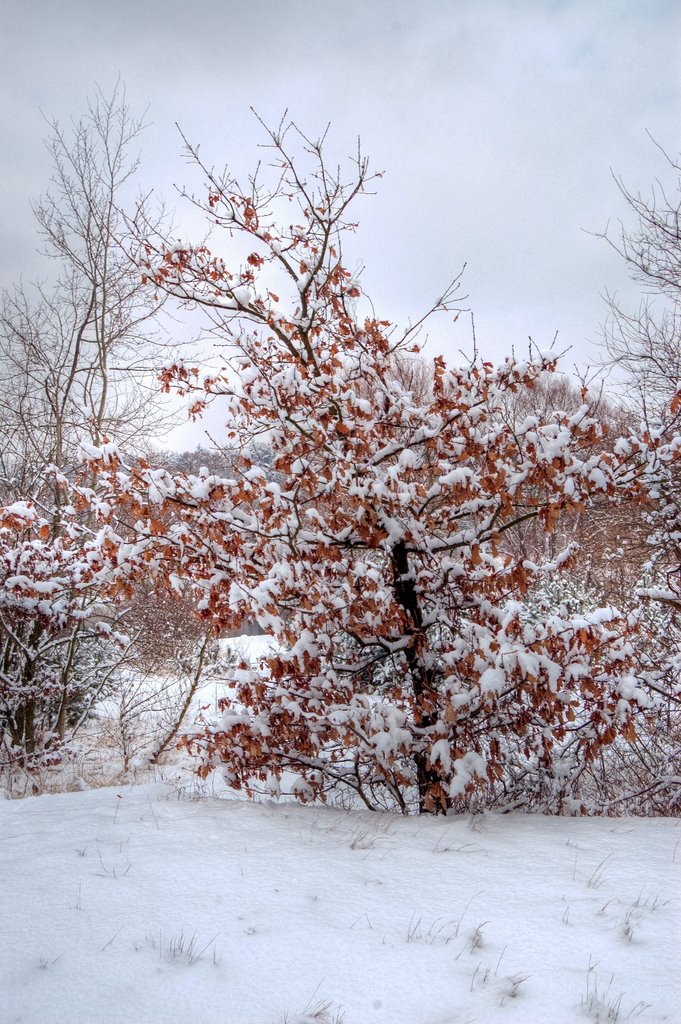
131, 905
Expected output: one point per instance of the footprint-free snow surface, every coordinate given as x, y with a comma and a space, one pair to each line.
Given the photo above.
133, 905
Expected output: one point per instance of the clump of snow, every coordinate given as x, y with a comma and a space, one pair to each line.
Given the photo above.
21, 510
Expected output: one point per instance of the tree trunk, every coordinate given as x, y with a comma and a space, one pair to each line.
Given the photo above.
433, 797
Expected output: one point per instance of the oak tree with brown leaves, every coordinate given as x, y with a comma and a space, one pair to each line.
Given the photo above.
374, 544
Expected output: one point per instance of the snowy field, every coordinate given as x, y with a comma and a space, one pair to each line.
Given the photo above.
141, 905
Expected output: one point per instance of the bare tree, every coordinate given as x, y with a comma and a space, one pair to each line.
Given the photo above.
74, 369
646, 342
74, 355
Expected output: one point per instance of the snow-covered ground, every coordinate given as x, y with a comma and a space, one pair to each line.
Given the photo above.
141, 905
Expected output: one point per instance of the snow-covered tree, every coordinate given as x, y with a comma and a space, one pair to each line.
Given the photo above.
72, 355
376, 546
645, 344
58, 644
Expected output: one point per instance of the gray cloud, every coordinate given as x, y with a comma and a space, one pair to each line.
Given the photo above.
497, 124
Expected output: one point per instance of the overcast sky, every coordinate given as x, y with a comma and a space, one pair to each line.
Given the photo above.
497, 123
